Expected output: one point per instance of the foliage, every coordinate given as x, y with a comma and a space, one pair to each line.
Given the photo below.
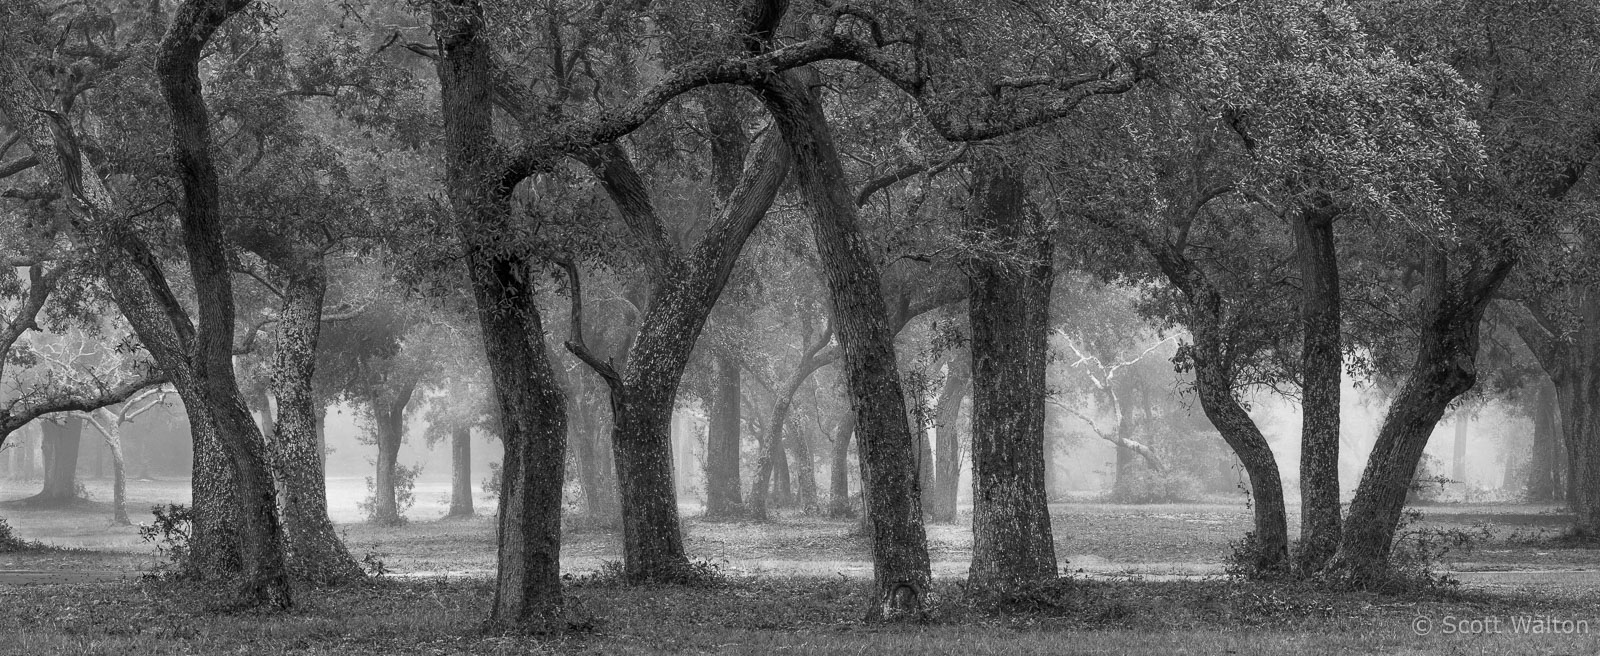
1418, 552
405, 483
1427, 485
491, 485
10, 543
170, 531
1150, 486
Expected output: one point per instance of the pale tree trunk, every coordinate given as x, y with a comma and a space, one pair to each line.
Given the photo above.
1321, 364
722, 441
461, 473
947, 465
110, 428
805, 473
888, 449
839, 506
315, 551
1445, 368
1009, 313
1122, 484
532, 406
1458, 457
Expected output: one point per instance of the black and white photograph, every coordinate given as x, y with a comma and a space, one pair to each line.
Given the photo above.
948, 327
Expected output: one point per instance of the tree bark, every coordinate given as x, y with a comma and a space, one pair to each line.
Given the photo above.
177, 68
805, 471
947, 465
532, 406
723, 498
389, 420
1012, 544
315, 551
839, 506
62, 442
1445, 367
1544, 475
888, 449
461, 473
1321, 364
772, 462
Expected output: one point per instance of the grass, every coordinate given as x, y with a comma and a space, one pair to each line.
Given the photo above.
772, 615
786, 594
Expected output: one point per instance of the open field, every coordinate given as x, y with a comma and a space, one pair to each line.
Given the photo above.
1143, 581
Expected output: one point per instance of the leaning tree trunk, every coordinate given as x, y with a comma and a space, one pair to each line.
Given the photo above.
1444, 369
1009, 314
772, 461
60, 446
461, 473
888, 449
947, 465
839, 506
1321, 363
532, 408
315, 550
722, 441
265, 579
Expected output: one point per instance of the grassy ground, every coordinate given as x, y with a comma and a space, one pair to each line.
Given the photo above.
797, 586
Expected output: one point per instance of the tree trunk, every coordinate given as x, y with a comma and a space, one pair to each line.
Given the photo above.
805, 473
722, 442
315, 551
1009, 313
782, 478
643, 396
1458, 458
389, 418
1121, 486
60, 446
926, 472
1544, 477
532, 406
888, 449
595, 466
461, 473
1444, 369
119, 479
177, 67
947, 464
1321, 363
839, 506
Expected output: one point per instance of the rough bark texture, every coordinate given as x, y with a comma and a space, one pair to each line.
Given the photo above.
1453, 306
947, 466
644, 394
264, 577
531, 404
1012, 544
839, 506
1321, 364
723, 498
461, 473
805, 473
888, 448
315, 551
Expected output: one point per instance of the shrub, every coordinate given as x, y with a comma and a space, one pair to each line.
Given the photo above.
405, 482
1149, 486
10, 543
171, 531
